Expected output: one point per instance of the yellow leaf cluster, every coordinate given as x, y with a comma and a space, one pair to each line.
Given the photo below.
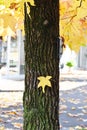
44, 81
8, 20
73, 22
7, 24
12, 16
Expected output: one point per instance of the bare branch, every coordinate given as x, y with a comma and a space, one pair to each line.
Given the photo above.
76, 11
79, 4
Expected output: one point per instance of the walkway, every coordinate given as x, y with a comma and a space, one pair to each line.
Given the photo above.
11, 104
73, 100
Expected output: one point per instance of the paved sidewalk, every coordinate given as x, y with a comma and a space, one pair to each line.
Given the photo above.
73, 100
11, 110
11, 104
9, 84
73, 80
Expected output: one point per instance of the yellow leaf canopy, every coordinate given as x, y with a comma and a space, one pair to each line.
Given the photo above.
73, 22
7, 21
12, 16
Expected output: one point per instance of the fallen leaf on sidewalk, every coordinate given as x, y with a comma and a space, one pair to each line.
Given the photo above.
2, 128
62, 100
80, 128
1, 120
63, 107
74, 101
85, 107
84, 111
72, 115
71, 129
12, 113
17, 125
73, 108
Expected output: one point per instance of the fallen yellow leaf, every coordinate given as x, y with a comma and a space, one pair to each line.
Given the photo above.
17, 125
2, 128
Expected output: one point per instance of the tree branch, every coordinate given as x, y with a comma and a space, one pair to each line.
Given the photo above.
71, 17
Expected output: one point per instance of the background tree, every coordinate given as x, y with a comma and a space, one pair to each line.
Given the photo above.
41, 59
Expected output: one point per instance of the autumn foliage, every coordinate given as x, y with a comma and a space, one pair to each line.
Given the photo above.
12, 16
73, 22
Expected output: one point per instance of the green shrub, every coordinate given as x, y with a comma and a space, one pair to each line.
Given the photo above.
69, 64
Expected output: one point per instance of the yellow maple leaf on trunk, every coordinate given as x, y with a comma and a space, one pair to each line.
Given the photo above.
44, 81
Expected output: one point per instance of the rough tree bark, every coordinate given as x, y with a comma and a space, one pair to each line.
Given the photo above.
41, 110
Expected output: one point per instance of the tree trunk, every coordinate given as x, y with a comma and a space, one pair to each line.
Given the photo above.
41, 110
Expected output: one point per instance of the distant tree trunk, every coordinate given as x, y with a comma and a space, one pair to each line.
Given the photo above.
41, 110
